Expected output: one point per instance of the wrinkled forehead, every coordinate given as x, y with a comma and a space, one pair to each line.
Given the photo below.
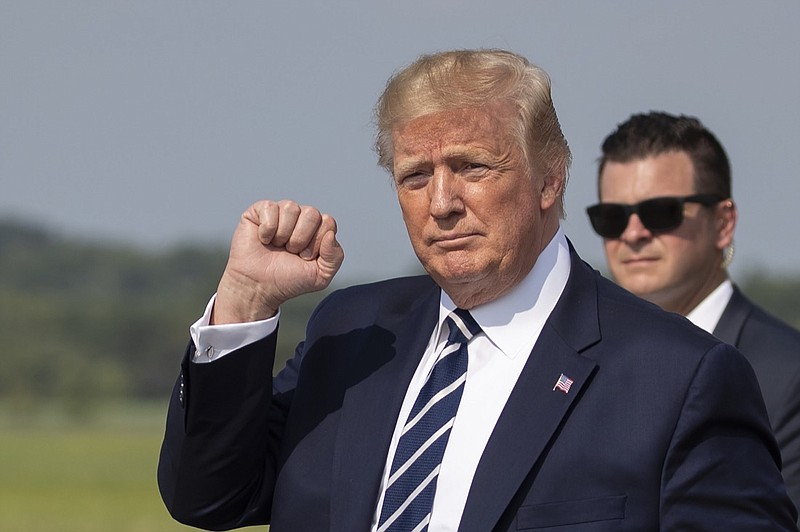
454, 131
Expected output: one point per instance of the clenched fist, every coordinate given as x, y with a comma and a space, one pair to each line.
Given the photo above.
280, 250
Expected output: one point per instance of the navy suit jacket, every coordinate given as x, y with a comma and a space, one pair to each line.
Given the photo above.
663, 428
773, 349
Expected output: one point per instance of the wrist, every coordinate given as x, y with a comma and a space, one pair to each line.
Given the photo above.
241, 302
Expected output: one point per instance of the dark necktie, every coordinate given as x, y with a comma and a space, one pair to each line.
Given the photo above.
412, 480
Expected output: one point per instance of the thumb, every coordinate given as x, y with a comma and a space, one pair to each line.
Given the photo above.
331, 255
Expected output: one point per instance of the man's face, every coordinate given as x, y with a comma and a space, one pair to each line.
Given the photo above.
674, 269
476, 218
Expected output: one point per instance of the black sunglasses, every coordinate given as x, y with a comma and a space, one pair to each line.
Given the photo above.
609, 220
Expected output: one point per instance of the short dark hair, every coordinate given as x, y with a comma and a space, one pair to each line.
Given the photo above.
656, 133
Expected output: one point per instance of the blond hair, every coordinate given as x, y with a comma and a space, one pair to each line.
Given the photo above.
474, 78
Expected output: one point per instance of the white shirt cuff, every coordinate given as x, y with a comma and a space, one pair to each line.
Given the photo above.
216, 341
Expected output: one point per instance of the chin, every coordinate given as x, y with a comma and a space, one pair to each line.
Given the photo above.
643, 279
456, 267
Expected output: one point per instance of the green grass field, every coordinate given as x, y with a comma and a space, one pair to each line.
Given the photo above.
95, 476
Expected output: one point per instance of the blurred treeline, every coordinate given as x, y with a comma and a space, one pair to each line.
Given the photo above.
83, 322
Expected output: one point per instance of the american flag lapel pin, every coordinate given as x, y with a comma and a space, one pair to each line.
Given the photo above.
563, 383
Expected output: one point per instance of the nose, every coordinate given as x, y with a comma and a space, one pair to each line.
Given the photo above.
635, 231
445, 194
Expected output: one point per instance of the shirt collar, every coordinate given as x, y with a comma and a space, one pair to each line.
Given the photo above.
707, 313
512, 320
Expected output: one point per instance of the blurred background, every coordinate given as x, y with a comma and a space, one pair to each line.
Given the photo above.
133, 134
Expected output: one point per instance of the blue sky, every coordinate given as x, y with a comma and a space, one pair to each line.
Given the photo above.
158, 122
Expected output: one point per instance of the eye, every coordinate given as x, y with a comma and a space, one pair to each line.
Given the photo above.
473, 169
413, 180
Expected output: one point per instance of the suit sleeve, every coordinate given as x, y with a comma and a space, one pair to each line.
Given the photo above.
722, 469
217, 466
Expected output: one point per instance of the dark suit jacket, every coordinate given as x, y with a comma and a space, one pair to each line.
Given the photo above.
663, 429
773, 349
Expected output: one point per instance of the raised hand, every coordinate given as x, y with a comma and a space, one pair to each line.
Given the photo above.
279, 250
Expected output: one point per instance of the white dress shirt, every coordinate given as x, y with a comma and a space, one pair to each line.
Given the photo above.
510, 327
707, 313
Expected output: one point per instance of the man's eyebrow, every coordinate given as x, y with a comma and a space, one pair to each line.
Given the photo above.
458, 152
409, 164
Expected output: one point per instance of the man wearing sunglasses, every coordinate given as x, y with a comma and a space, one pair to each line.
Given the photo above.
667, 221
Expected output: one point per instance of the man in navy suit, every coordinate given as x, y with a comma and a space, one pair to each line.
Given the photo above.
565, 403
680, 263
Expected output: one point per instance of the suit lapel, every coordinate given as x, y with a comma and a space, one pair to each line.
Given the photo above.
535, 410
370, 410
731, 323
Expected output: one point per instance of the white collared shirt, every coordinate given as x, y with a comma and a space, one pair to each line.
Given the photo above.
707, 313
511, 325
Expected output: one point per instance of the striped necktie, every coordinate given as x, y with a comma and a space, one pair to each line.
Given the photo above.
412, 480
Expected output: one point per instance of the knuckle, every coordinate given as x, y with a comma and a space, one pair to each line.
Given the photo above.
289, 206
266, 205
329, 221
311, 212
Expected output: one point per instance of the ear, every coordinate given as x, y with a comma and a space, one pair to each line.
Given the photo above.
552, 189
725, 215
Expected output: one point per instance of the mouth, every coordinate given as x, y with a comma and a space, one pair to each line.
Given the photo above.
639, 261
454, 241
